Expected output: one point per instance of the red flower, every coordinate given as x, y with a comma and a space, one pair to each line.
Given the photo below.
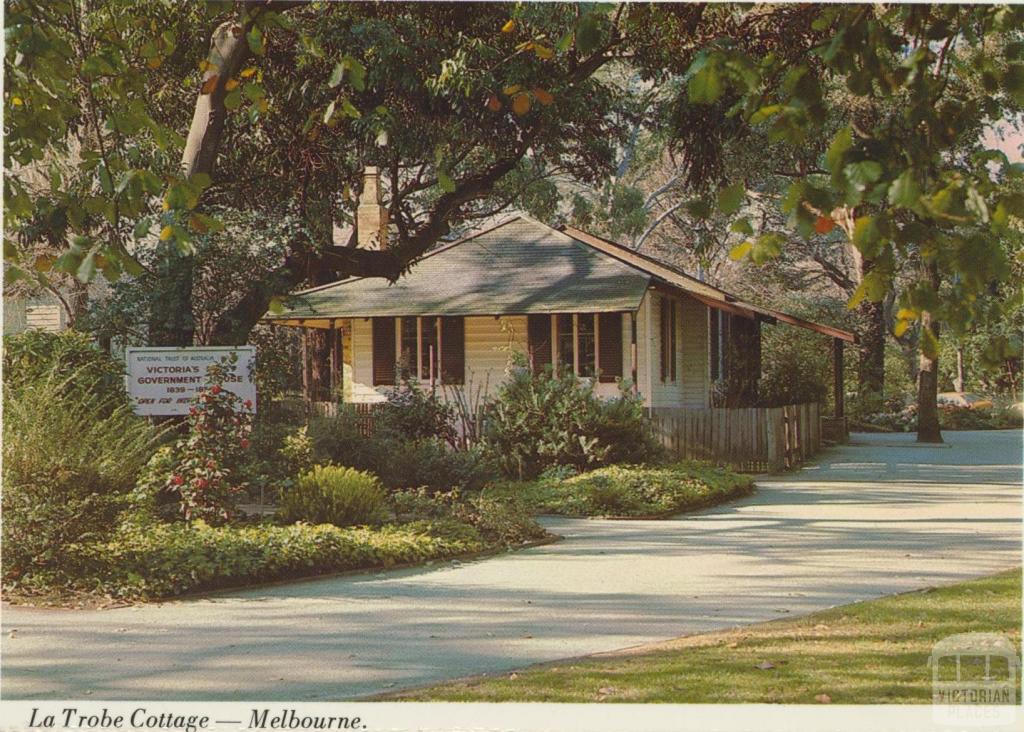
248, 403
210, 464
245, 444
177, 480
216, 389
200, 483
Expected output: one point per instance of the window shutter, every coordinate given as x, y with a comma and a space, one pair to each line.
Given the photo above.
609, 336
453, 350
538, 335
673, 341
383, 351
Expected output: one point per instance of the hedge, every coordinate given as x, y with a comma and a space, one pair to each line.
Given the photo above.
632, 490
162, 560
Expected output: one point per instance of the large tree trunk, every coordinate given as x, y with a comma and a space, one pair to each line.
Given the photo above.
928, 371
170, 320
871, 364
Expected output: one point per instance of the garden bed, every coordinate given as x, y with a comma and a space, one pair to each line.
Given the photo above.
629, 491
162, 561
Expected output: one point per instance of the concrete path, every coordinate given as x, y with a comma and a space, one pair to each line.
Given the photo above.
876, 517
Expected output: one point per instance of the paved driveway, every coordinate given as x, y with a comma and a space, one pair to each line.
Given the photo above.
873, 518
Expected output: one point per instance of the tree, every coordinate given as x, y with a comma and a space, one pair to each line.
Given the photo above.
915, 184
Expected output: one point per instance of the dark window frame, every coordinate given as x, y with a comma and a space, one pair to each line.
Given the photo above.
669, 340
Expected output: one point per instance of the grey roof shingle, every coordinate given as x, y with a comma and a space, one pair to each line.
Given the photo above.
520, 266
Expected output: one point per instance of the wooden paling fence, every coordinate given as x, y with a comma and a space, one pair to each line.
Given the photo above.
755, 439
365, 413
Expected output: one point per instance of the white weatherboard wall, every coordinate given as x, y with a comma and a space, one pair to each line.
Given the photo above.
692, 387
489, 343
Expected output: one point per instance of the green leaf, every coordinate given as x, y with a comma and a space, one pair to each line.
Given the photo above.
588, 33
87, 269
866, 236
253, 91
105, 181
328, 113
445, 181
337, 75
255, 39
764, 113
873, 288
142, 227
276, 305
863, 173
350, 109
904, 191
740, 251
767, 246
705, 87
357, 73
731, 198
742, 226
842, 142
233, 100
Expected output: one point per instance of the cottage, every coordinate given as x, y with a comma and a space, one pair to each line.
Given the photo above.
562, 297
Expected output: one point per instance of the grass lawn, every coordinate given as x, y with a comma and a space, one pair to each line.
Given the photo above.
865, 653
636, 491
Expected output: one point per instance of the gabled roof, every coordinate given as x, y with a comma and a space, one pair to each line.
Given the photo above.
709, 295
518, 267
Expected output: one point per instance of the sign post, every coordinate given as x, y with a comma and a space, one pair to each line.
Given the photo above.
164, 381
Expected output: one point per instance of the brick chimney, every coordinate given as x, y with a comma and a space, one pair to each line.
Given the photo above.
371, 217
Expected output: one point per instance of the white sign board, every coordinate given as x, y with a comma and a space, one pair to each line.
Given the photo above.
164, 381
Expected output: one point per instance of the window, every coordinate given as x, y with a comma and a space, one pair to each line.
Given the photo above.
429, 355
566, 340
586, 344
424, 354
383, 351
668, 339
538, 337
609, 356
408, 345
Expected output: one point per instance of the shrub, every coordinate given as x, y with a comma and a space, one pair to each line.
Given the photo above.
794, 368
500, 523
329, 494
497, 521
208, 476
538, 421
297, 451
151, 499
629, 490
398, 462
168, 559
35, 355
70, 458
433, 465
411, 413
339, 439
605, 495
